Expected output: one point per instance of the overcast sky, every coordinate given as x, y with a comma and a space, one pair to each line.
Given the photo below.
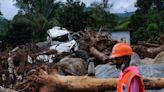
119, 6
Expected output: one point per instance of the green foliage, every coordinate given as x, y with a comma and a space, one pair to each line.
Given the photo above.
72, 15
20, 31
35, 17
161, 26
45, 7
152, 31
101, 17
28, 28
161, 14
147, 22
39, 25
152, 17
146, 34
137, 20
139, 35
123, 24
144, 5
4, 25
152, 27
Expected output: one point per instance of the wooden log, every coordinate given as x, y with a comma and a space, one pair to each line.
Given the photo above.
111, 83
151, 52
154, 83
156, 50
101, 56
83, 84
148, 44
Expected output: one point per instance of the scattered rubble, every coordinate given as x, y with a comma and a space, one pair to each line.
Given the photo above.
20, 64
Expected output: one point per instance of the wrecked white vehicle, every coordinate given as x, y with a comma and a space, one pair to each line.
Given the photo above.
61, 40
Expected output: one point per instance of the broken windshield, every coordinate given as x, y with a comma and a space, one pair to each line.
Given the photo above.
62, 38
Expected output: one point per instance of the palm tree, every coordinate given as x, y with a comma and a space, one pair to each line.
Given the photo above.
45, 7
102, 14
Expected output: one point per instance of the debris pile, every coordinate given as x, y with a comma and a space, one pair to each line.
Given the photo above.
21, 65
25, 60
149, 50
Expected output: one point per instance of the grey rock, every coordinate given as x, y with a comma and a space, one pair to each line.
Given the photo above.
73, 66
159, 59
2, 89
155, 70
106, 71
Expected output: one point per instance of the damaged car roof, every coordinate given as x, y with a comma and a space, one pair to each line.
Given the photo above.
57, 31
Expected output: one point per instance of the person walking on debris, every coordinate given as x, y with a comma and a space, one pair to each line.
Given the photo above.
129, 78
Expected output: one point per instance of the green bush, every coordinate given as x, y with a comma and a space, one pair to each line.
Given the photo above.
152, 27
20, 32
140, 35
152, 31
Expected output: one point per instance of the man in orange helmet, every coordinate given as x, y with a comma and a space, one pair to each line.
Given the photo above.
129, 78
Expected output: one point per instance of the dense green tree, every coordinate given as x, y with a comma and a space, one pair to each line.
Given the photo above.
72, 15
152, 17
152, 31
45, 7
148, 34
39, 25
4, 25
145, 5
20, 31
139, 35
35, 17
41, 14
137, 20
147, 20
101, 15
28, 28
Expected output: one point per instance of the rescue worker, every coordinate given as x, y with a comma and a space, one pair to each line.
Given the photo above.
129, 78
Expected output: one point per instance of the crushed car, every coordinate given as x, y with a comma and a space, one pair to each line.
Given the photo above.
61, 40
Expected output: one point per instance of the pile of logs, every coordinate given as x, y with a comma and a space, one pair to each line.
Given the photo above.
148, 49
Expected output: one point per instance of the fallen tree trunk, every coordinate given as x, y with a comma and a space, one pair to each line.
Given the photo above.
156, 50
144, 52
89, 84
154, 83
148, 44
101, 56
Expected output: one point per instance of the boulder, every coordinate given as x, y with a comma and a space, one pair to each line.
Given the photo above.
73, 66
108, 71
2, 89
135, 59
147, 61
159, 59
155, 70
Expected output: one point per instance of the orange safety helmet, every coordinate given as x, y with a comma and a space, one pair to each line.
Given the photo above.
121, 49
